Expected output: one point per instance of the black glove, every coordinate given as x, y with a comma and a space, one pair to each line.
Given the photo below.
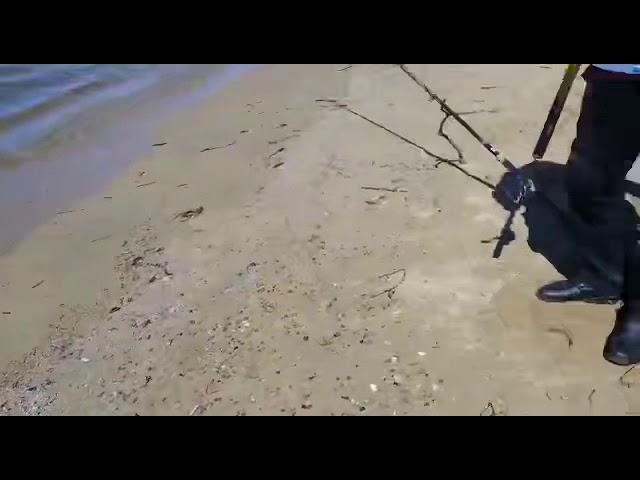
513, 190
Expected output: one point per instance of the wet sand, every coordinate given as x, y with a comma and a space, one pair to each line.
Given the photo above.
86, 143
242, 269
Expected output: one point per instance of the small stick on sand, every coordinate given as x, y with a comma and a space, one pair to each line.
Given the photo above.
453, 144
482, 110
38, 284
622, 380
189, 214
489, 411
145, 184
208, 149
106, 237
275, 142
385, 189
280, 150
564, 332
391, 291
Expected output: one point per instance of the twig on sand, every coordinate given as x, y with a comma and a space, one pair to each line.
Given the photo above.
564, 332
189, 214
590, 397
391, 291
345, 68
280, 150
38, 284
385, 189
444, 108
106, 237
159, 144
622, 380
145, 184
376, 200
490, 240
182, 185
289, 137
208, 149
6, 313
453, 144
488, 411
279, 164
482, 110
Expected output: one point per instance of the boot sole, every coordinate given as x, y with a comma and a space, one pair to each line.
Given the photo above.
621, 360
592, 301
602, 301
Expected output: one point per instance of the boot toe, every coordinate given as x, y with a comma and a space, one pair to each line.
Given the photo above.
623, 344
615, 353
554, 292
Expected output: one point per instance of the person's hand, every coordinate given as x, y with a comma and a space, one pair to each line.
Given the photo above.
513, 189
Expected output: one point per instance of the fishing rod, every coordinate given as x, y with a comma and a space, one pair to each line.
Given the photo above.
452, 113
526, 185
547, 131
549, 127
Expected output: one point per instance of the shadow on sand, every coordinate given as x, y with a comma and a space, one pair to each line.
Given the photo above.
551, 231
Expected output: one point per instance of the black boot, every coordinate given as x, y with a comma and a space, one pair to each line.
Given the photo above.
623, 344
582, 289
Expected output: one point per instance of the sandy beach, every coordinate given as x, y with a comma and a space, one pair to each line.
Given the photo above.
279, 252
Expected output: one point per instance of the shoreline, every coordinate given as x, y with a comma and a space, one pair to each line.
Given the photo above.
98, 145
87, 235
280, 255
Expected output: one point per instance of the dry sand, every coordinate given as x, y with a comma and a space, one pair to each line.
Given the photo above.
295, 291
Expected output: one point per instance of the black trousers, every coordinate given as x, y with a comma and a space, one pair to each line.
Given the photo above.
606, 146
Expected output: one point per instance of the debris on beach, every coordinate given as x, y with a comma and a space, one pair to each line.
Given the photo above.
189, 214
280, 150
99, 239
208, 149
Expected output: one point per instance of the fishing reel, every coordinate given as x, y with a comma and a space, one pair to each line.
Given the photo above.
513, 191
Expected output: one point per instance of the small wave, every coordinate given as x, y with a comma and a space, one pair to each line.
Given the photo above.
37, 99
